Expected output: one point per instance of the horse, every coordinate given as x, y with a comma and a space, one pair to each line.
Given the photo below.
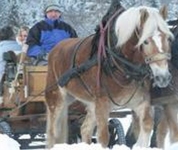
165, 101
168, 120
111, 69
165, 104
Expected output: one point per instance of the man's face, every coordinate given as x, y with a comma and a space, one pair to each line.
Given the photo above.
53, 14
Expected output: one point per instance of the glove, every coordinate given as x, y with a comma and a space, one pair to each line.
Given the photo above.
42, 57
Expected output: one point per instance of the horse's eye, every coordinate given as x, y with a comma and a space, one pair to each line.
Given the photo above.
145, 42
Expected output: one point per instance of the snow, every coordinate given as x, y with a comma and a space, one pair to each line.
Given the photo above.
82, 146
173, 147
7, 143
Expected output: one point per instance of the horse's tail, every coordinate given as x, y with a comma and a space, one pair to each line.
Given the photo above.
57, 120
61, 130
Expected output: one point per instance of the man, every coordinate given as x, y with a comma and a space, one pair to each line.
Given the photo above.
44, 35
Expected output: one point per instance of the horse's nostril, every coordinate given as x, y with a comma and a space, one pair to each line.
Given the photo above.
162, 81
157, 78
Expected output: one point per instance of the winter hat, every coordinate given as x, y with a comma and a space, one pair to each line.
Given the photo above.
52, 6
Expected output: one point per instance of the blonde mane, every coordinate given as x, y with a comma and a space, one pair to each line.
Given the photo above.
129, 20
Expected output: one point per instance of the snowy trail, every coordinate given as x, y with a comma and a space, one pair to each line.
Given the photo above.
7, 143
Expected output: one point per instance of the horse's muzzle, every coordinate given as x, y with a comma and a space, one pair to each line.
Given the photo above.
162, 81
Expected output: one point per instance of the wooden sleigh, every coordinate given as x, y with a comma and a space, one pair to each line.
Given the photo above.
24, 112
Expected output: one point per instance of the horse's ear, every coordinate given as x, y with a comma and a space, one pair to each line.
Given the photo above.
143, 16
163, 12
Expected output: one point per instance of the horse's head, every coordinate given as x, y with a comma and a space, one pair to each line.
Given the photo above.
144, 38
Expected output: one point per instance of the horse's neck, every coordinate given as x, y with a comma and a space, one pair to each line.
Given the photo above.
130, 51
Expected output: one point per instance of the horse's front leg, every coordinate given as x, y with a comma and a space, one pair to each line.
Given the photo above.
171, 115
162, 130
102, 114
89, 124
145, 114
133, 131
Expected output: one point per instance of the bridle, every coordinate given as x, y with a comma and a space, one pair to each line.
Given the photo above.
154, 57
158, 57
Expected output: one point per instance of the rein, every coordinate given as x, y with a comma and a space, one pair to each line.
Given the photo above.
101, 48
11, 110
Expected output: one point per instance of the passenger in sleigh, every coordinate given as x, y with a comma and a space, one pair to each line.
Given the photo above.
22, 35
9, 48
44, 35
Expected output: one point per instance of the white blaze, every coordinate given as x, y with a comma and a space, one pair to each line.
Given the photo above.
157, 39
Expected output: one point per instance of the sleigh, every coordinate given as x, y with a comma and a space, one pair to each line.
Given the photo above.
24, 111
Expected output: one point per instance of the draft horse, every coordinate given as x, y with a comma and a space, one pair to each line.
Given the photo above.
133, 48
165, 103
168, 119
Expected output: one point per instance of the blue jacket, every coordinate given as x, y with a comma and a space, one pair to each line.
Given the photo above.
44, 35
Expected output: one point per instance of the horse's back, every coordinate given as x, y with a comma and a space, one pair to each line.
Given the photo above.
68, 53
63, 47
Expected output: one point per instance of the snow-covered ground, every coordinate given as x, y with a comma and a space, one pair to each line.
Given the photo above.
83, 146
7, 143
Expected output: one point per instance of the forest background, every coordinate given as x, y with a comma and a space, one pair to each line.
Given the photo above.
83, 15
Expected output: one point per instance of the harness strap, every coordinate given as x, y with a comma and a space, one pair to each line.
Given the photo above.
136, 70
131, 95
76, 48
76, 71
